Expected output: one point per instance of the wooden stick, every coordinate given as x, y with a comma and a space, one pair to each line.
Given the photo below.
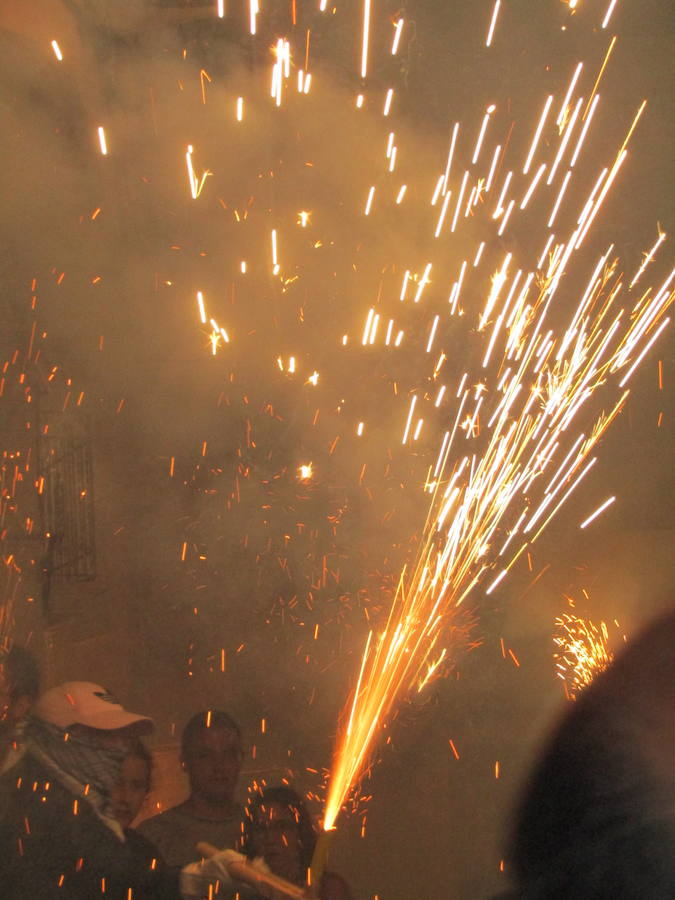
243, 871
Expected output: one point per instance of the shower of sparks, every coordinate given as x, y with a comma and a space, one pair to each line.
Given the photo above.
533, 441
581, 651
519, 425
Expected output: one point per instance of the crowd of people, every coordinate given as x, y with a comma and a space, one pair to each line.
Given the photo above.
74, 776
596, 820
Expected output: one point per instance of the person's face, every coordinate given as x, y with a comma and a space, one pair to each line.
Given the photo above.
131, 790
276, 837
213, 761
114, 739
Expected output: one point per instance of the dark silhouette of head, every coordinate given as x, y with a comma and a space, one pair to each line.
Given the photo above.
597, 818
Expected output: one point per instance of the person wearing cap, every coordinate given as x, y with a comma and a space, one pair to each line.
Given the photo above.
58, 834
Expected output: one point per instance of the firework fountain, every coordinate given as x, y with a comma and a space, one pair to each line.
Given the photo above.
441, 310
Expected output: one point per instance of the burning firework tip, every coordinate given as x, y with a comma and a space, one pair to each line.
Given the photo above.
305, 472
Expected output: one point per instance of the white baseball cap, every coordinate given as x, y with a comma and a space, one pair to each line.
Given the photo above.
84, 703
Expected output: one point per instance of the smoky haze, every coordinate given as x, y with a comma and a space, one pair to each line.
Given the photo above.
224, 579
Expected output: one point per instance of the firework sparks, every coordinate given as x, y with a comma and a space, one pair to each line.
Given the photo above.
102, 142
581, 651
484, 500
519, 424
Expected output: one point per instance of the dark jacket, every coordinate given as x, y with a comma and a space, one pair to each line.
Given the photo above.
53, 845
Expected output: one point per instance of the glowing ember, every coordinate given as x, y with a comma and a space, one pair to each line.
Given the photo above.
581, 651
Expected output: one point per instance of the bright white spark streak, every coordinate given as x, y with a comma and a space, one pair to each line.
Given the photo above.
597, 512
493, 22
220, 9
275, 261
496, 581
459, 201
404, 287
481, 135
541, 259
102, 141
410, 415
366, 37
397, 37
254, 9
584, 130
369, 201
493, 166
437, 191
366, 330
202, 310
387, 102
608, 14
564, 104
507, 214
533, 184
424, 281
499, 209
401, 193
358, 683
57, 51
644, 352
603, 193
453, 141
373, 328
432, 334
441, 217
537, 134
561, 193
240, 109
648, 258
563, 144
